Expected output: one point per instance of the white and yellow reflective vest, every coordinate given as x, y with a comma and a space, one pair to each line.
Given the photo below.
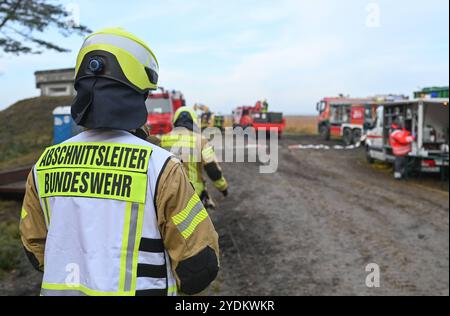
98, 195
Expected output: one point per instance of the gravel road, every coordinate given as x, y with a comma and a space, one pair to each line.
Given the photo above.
314, 226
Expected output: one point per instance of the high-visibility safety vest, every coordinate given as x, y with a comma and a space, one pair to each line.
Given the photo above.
98, 195
186, 147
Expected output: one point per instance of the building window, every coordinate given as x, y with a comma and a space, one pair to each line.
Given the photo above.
58, 90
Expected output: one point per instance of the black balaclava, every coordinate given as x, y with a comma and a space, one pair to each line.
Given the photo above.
185, 120
106, 103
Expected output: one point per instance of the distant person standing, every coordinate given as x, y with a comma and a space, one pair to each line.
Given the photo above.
265, 106
401, 142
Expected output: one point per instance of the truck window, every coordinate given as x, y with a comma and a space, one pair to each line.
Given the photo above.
380, 117
346, 114
159, 106
321, 106
340, 114
368, 114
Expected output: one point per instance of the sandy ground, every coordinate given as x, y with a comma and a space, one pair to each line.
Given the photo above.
314, 226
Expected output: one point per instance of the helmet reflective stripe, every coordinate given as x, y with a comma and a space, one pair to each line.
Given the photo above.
122, 32
127, 59
133, 70
141, 53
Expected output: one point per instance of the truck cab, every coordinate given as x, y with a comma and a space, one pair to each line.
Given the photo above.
242, 117
428, 120
345, 118
161, 108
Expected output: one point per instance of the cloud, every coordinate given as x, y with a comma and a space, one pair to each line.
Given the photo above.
315, 49
229, 53
279, 72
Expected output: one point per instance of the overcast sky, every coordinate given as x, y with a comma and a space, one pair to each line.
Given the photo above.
292, 52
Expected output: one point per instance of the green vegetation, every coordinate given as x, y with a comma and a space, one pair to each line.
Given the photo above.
11, 252
26, 129
21, 21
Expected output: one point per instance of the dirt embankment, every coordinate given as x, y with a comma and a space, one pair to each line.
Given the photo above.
26, 129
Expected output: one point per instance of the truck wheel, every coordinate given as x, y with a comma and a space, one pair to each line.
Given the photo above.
348, 137
357, 136
370, 160
325, 133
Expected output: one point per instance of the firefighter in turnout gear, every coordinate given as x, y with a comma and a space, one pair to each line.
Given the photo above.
187, 143
107, 213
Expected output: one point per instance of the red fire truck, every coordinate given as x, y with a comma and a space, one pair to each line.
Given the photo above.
161, 107
345, 118
258, 118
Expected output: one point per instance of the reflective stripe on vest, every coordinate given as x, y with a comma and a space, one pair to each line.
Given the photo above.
103, 237
196, 180
184, 146
178, 141
47, 213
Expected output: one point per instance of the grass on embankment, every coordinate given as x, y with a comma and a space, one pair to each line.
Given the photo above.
11, 252
26, 129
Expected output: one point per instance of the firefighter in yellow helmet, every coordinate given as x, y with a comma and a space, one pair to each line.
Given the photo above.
107, 213
186, 142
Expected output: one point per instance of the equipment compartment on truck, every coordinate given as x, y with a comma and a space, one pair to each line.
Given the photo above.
428, 120
271, 118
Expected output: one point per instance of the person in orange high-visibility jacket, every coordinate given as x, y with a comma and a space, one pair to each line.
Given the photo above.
401, 141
